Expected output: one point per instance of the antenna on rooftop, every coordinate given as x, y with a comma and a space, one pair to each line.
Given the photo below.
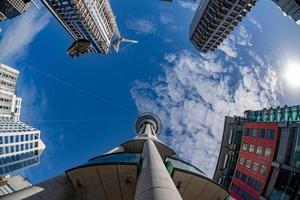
119, 39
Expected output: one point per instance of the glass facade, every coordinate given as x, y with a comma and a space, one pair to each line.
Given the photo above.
116, 158
296, 158
287, 186
172, 164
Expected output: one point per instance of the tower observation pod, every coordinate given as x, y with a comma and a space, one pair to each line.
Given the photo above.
143, 168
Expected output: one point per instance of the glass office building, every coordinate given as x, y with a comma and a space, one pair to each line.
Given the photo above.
20, 146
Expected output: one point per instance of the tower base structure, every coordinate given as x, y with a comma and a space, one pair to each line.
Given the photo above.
143, 168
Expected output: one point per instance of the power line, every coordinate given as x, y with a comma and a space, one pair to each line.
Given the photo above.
78, 120
75, 87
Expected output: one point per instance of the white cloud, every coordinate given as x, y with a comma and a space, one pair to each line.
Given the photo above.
189, 5
196, 93
20, 32
255, 23
168, 20
144, 26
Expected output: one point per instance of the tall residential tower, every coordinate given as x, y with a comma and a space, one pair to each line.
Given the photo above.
91, 23
20, 144
142, 168
214, 20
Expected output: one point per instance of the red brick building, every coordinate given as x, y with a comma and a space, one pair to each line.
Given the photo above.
255, 160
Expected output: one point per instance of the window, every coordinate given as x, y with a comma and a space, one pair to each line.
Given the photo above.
1, 140
239, 191
242, 161
254, 132
22, 138
246, 132
250, 181
1, 151
22, 147
271, 134
17, 138
12, 149
245, 195
268, 152
17, 148
244, 146
6, 139
259, 150
6, 150
262, 133
31, 136
11, 139
26, 137
233, 187
237, 174
248, 163
244, 177
263, 169
255, 166
251, 148
257, 186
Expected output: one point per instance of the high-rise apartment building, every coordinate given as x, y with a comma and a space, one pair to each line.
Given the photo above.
10, 184
10, 104
142, 168
12, 8
268, 164
290, 8
87, 21
20, 146
214, 20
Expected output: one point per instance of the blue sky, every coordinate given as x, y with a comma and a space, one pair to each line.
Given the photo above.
86, 106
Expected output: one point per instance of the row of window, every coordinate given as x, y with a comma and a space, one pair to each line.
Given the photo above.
262, 133
17, 148
18, 138
259, 149
239, 191
5, 100
8, 84
255, 166
14, 158
16, 166
7, 76
5, 107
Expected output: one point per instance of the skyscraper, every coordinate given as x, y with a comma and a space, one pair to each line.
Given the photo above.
268, 164
91, 23
12, 8
10, 104
214, 20
290, 8
143, 168
20, 144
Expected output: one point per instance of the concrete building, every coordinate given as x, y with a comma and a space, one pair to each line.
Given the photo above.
229, 150
10, 184
91, 20
10, 104
12, 8
214, 20
20, 146
143, 168
290, 8
268, 164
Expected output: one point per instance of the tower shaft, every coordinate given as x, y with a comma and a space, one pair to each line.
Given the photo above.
154, 183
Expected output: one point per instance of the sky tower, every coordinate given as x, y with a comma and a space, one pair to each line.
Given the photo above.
142, 168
